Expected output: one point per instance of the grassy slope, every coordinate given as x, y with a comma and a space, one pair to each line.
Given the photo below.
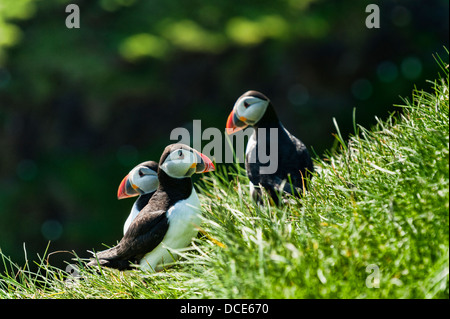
381, 200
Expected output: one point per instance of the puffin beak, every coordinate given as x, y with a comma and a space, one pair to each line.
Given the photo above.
205, 165
235, 124
126, 189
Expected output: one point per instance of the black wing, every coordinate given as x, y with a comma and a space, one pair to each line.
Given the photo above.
143, 235
297, 162
293, 161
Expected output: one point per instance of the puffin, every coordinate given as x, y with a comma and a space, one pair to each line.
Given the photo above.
141, 181
255, 109
170, 219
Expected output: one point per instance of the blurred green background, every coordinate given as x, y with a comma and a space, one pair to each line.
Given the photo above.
80, 107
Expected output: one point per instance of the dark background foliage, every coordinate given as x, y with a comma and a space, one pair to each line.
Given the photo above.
80, 107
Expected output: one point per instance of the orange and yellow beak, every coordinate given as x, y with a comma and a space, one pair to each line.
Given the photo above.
127, 189
235, 124
204, 164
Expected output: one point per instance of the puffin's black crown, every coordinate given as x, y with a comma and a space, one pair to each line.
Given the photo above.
256, 94
170, 148
150, 164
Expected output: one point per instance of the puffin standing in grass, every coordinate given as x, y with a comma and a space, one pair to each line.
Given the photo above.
294, 162
142, 180
170, 219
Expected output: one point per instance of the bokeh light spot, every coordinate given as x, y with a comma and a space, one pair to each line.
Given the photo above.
400, 16
298, 94
362, 89
411, 68
5, 78
387, 71
26, 170
51, 229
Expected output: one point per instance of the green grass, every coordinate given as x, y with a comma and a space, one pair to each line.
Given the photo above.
381, 199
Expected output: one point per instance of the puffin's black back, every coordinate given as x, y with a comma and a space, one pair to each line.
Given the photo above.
293, 158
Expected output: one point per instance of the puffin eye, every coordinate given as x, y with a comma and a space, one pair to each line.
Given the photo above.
246, 104
180, 154
141, 173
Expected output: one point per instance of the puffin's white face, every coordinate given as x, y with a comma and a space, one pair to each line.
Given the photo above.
250, 109
140, 180
184, 161
180, 163
143, 179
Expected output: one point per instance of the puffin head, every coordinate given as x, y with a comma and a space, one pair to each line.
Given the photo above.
142, 179
248, 110
181, 161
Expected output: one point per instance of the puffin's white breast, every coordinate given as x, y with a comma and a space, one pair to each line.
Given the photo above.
251, 147
131, 217
184, 219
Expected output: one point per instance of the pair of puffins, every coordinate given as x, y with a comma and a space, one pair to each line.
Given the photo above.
166, 216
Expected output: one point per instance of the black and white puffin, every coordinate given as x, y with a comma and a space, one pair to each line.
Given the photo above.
169, 220
294, 162
141, 181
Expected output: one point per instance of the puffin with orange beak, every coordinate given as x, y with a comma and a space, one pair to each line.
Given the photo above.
141, 181
170, 219
294, 163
